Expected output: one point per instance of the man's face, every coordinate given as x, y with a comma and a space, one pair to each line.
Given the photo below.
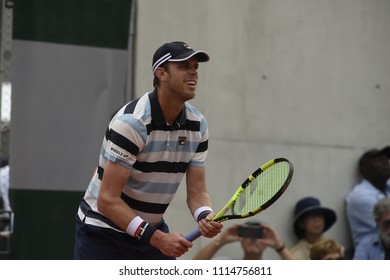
384, 228
378, 166
253, 246
183, 78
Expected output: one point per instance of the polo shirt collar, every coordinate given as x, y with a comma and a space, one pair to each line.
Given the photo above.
157, 115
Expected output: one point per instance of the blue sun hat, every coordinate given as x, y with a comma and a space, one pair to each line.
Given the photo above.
312, 205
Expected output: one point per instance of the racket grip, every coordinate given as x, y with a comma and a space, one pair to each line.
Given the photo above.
191, 236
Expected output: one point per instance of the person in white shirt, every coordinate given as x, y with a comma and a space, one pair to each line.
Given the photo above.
4, 185
374, 167
6, 214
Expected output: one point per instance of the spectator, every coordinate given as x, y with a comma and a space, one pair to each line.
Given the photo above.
4, 185
326, 249
377, 247
254, 238
6, 214
374, 168
310, 222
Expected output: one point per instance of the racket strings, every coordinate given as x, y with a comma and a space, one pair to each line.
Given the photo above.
262, 189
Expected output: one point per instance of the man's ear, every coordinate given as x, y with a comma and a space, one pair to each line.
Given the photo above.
161, 74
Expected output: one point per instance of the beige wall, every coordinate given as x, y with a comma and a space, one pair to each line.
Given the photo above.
302, 79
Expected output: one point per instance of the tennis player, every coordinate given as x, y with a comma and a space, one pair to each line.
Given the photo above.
149, 145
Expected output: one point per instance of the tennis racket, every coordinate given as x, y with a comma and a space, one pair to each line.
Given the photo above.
259, 191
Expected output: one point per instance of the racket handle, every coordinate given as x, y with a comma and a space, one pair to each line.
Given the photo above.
191, 236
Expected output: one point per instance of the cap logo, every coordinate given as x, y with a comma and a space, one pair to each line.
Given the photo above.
187, 46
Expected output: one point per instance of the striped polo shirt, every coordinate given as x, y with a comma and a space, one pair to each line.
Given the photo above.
139, 138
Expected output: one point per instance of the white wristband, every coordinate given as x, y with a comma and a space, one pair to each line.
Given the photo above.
134, 225
201, 210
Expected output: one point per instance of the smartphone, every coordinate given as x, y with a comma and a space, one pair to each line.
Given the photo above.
250, 231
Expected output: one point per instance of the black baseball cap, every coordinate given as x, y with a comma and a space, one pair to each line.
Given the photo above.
176, 51
373, 153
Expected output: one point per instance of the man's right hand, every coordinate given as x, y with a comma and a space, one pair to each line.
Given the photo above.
170, 244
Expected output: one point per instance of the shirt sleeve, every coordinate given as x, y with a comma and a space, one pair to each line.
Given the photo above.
124, 140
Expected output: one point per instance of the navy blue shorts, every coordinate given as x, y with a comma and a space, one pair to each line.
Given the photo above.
96, 243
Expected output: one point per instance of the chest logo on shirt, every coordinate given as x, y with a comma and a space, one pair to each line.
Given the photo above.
182, 140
